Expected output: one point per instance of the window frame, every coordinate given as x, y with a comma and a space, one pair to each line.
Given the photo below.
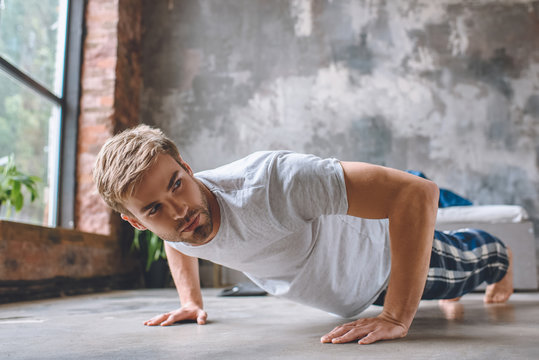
69, 104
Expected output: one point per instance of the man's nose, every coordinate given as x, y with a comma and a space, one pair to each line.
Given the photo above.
179, 209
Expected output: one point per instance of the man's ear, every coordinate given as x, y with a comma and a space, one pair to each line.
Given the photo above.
134, 222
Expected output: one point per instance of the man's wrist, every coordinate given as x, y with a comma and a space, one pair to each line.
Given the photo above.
403, 321
398, 312
192, 305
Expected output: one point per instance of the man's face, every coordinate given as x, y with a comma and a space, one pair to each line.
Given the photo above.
170, 202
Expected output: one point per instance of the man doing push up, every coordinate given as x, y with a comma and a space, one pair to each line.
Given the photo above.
335, 235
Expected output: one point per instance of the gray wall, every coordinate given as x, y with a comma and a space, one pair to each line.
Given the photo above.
447, 87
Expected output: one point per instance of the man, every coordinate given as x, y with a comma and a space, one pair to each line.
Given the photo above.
338, 236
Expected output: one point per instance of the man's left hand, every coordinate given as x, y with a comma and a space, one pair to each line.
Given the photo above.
367, 331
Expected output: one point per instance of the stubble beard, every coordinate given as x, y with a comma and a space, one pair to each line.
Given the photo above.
201, 233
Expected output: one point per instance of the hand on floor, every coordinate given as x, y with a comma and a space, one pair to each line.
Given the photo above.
366, 331
187, 312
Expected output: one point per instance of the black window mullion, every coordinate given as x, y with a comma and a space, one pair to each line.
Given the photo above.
70, 114
28, 81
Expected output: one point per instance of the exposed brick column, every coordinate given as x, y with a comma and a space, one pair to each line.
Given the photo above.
110, 88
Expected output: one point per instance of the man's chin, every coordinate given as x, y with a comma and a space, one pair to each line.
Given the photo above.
196, 238
197, 241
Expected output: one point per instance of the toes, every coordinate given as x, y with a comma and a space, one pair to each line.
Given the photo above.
497, 298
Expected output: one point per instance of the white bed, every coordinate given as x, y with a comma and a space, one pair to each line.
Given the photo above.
507, 222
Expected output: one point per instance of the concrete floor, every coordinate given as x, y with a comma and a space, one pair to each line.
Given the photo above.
109, 326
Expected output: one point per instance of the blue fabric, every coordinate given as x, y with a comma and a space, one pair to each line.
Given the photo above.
447, 197
461, 261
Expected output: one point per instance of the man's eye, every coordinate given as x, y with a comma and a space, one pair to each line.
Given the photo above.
177, 184
154, 209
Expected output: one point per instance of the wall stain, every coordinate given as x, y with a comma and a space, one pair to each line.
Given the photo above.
11, 265
70, 258
494, 70
359, 56
532, 106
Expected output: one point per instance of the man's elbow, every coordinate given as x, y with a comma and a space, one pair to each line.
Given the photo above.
420, 198
431, 196
423, 197
434, 192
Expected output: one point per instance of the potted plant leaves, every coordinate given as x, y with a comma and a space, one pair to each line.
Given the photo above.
12, 183
152, 253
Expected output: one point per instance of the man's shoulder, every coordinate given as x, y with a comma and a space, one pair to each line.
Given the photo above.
248, 171
263, 167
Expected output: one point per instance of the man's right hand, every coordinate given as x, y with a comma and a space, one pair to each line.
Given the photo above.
188, 312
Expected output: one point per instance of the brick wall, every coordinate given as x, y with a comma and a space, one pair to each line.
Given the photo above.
39, 262
110, 88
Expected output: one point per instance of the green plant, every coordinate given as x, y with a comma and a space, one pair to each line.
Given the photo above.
150, 246
12, 181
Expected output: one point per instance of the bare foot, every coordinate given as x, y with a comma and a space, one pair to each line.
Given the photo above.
500, 292
452, 309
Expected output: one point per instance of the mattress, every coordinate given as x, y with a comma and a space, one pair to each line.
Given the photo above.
482, 213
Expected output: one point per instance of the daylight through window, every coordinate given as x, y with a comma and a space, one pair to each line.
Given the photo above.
32, 59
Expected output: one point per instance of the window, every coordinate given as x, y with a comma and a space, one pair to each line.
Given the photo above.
40, 46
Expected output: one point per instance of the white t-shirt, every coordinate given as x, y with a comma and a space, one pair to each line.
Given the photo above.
284, 224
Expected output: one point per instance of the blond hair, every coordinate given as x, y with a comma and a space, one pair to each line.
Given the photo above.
123, 161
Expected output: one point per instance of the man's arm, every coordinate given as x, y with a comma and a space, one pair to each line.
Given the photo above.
410, 203
184, 270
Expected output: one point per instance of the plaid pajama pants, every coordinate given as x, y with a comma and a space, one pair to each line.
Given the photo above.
460, 261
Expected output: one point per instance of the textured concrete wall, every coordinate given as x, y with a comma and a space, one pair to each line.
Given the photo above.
447, 87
